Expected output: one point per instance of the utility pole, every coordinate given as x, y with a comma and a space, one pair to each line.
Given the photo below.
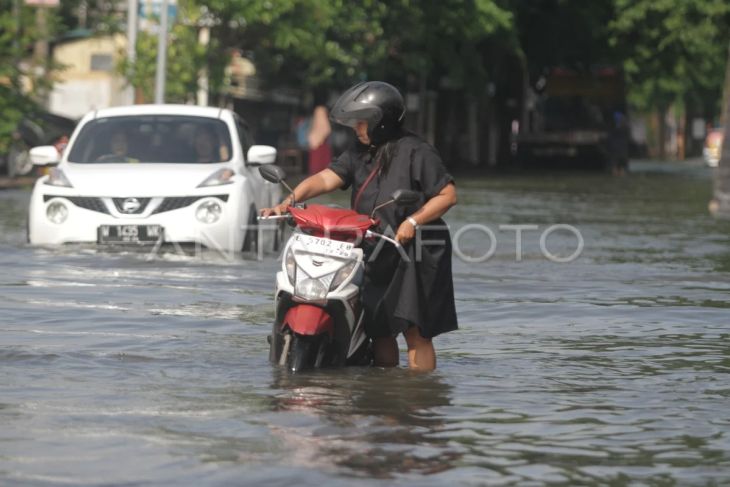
40, 48
16, 39
161, 55
203, 40
131, 48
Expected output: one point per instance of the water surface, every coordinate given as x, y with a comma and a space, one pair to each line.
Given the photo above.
124, 368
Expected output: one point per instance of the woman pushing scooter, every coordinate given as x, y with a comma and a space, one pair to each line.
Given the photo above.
410, 291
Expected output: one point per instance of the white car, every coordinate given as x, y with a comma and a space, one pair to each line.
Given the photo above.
153, 174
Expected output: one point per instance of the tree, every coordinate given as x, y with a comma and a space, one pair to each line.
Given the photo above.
331, 43
17, 34
185, 58
564, 33
444, 41
673, 50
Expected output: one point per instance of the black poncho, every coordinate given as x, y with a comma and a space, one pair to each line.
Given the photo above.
416, 289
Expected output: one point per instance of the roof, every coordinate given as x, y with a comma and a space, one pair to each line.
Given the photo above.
73, 35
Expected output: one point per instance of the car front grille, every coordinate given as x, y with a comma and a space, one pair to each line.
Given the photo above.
176, 202
168, 204
87, 202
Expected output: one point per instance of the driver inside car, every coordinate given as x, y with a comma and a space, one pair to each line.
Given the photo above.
119, 147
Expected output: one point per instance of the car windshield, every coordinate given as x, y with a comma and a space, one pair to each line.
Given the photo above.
152, 139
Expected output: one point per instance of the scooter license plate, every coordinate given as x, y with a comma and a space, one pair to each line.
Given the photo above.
324, 246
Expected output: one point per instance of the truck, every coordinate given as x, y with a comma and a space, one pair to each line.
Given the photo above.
575, 117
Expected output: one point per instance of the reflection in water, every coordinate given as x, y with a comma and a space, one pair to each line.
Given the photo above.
377, 422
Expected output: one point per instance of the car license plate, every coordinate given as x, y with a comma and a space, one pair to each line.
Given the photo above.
129, 233
324, 246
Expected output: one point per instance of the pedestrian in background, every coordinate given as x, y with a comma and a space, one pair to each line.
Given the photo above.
320, 152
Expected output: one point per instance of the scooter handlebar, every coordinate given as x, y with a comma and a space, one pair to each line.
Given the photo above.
273, 217
370, 233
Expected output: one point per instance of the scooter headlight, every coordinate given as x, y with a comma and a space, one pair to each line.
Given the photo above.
342, 274
291, 266
57, 212
311, 290
208, 212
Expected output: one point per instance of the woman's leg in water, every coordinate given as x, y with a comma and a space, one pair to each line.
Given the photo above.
385, 352
421, 354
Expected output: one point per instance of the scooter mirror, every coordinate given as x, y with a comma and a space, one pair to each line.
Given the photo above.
272, 173
405, 197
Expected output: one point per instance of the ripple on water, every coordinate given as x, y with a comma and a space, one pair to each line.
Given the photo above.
611, 369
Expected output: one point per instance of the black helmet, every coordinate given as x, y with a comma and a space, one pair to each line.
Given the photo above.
379, 104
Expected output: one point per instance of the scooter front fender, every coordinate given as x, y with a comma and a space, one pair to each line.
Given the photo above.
306, 319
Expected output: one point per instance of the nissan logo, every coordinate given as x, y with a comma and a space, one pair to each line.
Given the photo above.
131, 205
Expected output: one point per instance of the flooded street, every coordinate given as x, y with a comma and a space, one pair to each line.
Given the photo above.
124, 368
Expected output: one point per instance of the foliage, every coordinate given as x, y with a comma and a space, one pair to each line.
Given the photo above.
330, 43
185, 58
446, 40
16, 40
566, 33
100, 16
672, 50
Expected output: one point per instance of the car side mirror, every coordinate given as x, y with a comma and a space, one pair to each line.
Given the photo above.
405, 197
272, 173
44, 155
261, 154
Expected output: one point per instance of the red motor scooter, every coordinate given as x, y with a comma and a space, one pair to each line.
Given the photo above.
319, 317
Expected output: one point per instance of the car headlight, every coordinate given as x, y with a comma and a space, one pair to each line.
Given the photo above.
342, 274
208, 212
311, 290
291, 266
56, 177
218, 178
57, 212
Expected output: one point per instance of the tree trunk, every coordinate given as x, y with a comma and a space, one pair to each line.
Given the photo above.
682, 134
662, 135
720, 204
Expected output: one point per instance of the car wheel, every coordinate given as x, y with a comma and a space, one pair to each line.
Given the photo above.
251, 239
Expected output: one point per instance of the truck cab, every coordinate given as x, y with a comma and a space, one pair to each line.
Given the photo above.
577, 117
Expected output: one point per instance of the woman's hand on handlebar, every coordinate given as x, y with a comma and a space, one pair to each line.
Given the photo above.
279, 209
322, 182
406, 232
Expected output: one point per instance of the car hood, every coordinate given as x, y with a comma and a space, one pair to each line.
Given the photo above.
146, 180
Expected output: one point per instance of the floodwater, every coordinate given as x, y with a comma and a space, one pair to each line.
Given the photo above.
124, 368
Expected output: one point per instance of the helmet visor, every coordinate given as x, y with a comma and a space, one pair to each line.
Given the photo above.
352, 115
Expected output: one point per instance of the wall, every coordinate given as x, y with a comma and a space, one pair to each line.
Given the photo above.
89, 79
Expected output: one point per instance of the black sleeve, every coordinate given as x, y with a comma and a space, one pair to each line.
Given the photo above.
429, 173
344, 167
